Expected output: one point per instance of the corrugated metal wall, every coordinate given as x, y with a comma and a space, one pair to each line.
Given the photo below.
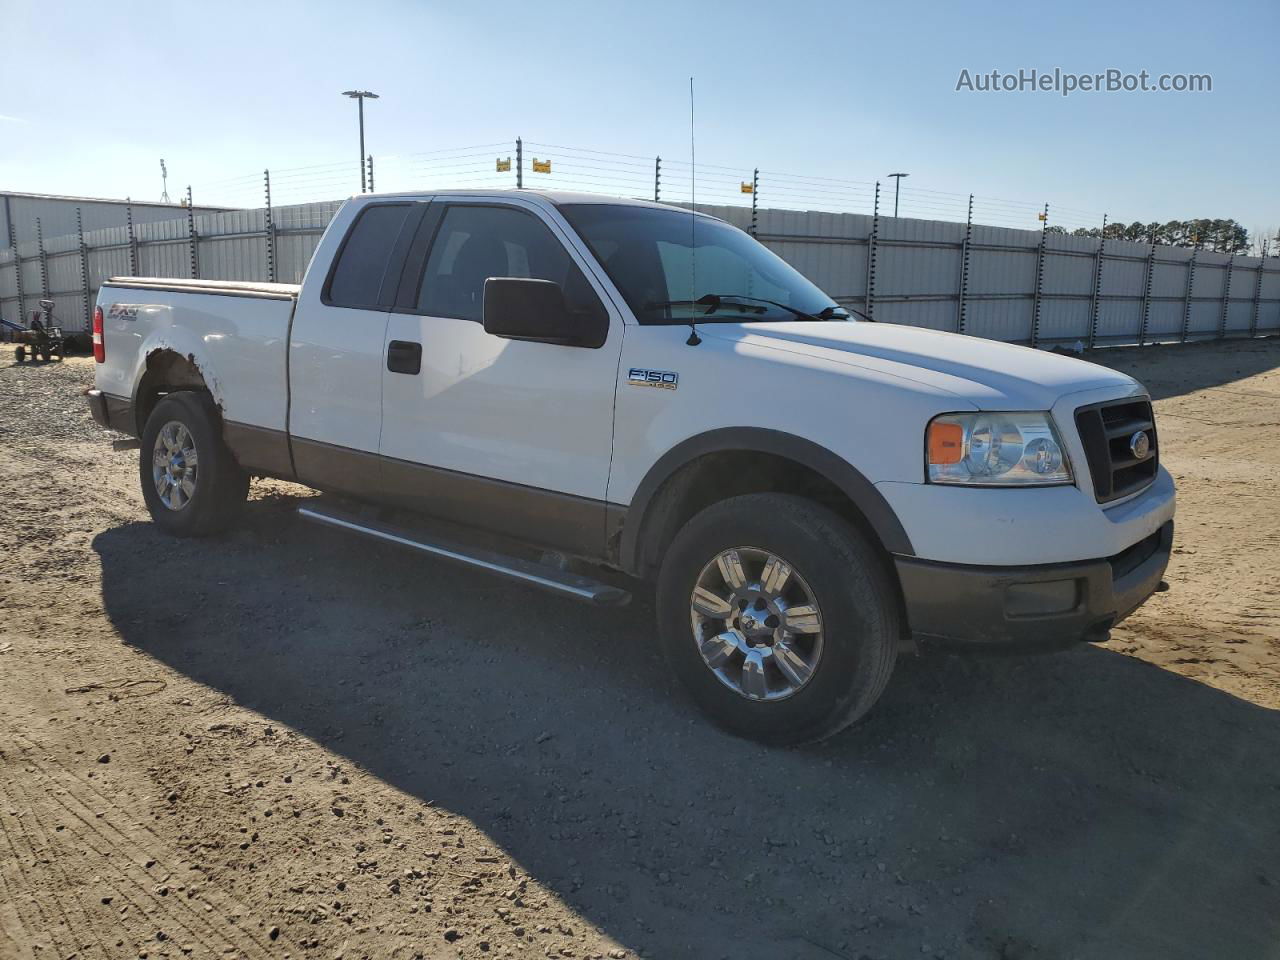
229, 245
1021, 286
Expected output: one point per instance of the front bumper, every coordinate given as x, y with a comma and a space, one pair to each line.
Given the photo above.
1040, 607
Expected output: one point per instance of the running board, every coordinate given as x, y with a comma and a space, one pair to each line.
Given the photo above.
513, 568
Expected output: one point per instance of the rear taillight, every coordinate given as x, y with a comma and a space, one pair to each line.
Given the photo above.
99, 345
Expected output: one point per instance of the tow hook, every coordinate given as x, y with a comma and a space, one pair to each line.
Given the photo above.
1162, 586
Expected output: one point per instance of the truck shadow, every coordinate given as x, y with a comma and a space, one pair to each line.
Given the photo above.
1084, 804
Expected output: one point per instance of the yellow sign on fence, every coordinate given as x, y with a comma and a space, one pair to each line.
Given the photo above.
503, 166
541, 166
1042, 216
748, 187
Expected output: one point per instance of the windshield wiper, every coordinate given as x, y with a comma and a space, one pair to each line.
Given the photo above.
713, 301
798, 314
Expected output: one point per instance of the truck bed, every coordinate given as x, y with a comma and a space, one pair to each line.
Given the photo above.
236, 332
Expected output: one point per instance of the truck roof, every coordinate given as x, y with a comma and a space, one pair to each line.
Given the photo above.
557, 197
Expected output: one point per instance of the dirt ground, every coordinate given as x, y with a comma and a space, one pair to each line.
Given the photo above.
288, 743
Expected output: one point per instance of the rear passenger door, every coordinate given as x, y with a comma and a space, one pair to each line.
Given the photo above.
336, 350
511, 435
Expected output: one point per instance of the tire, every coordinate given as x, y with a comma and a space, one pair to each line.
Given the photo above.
828, 561
205, 499
44, 355
19, 354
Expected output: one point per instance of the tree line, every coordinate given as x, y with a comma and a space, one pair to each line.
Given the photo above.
1220, 236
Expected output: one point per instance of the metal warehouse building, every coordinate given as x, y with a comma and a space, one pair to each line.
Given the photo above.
38, 232
57, 215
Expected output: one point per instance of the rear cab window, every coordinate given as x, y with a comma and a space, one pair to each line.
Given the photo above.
359, 272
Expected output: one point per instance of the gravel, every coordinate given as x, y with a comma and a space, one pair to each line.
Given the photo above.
518, 776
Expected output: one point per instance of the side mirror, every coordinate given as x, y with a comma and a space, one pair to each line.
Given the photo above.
521, 309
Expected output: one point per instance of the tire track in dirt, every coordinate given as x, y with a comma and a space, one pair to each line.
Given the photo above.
40, 812
80, 924
140, 923
13, 928
26, 860
156, 910
10, 947
112, 844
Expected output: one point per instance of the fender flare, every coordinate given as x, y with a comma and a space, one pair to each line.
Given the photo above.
861, 491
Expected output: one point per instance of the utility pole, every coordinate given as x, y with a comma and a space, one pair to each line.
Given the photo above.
897, 182
360, 96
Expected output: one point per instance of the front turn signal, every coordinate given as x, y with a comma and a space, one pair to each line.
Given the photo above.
945, 443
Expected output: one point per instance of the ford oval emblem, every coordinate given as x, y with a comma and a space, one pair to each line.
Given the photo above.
1140, 445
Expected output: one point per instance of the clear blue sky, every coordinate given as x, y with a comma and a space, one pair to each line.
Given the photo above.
95, 92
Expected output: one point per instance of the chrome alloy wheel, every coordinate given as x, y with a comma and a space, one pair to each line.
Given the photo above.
173, 465
756, 624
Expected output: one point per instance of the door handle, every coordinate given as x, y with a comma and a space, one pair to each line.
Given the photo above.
404, 356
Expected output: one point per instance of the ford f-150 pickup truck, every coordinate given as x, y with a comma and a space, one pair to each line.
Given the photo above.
605, 387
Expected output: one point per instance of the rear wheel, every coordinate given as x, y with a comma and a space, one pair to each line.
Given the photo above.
779, 617
190, 481
19, 354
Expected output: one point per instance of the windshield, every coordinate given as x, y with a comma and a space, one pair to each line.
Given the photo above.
671, 266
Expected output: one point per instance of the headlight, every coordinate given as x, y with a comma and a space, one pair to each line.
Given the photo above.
999, 449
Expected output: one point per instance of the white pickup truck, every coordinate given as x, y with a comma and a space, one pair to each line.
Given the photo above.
616, 385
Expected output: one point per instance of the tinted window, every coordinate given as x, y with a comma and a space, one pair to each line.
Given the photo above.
357, 276
476, 242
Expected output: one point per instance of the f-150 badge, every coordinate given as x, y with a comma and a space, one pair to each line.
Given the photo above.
665, 379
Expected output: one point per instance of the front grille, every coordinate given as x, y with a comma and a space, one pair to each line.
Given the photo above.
1106, 431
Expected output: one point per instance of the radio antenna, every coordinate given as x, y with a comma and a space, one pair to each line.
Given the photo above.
694, 339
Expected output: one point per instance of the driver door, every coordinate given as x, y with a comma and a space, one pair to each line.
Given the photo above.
514, 436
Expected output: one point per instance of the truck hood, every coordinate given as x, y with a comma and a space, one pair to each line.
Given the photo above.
988, 373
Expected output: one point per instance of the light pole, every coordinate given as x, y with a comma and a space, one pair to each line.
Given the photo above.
897, 182
359, 96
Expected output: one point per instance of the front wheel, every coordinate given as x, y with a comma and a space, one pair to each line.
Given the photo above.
19, 354
779, 617
190, 481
